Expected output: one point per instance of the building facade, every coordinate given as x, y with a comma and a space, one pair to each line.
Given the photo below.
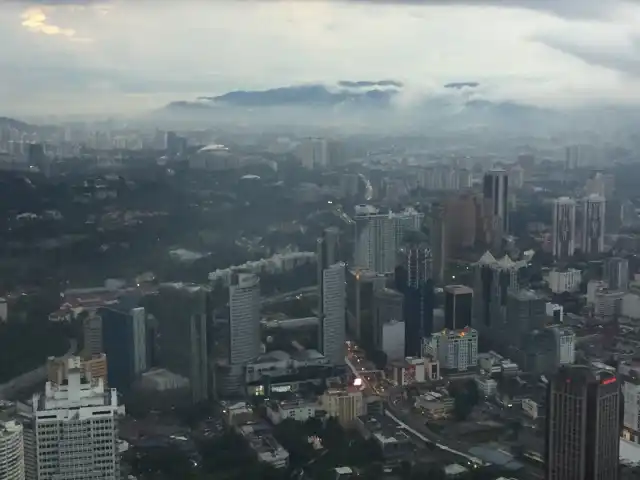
454, 349
593, 226
564, 227
583, 424
71, 431
458, 306
11, 451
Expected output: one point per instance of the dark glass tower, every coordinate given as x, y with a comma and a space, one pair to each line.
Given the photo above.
582, 438
458, 306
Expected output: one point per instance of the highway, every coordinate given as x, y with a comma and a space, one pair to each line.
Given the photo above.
29, 379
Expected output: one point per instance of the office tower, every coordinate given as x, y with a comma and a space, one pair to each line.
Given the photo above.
461, 222
516, 176
439, 245
71, 431
11, 451
387, 308
564, 227
332, 325
496, 194
244, 319
124, 339
629, 374
361, 285
526, 312
313, 153
37, 158
494, 279
454, 349
583, 424
593, 214
92, 331
616, 273
180, 311
458, 305
326, 252
175, 144
419, 264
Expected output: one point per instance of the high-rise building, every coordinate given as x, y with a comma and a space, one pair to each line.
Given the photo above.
332, 324
388, 307
379, 236
454, 349
494, 279
583, 424
565, 345
526, 312
71, 431
93, 368
564, 227
616, 273
92, 333
326, 255
458, 306
630, 376
11, 451
496, 198
361, 285
180, 311
439, 242
124, 340
244, 319
461, 221
593, 215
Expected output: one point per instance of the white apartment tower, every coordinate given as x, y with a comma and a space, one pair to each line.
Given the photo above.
379, 236
244, 319
564, 227
333, 322
11, 451
454, 349
71, 431
565, 345
593, 215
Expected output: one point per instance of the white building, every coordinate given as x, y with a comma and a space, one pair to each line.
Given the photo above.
346, 404
555, 311
333, 321
631, 394
593, 216
565, 340
531, 408
378, 236
592, 287
564, 281
454, 349
244, 319
607, 304
487, 386
298, 410
11, 451
564, 227
71, 431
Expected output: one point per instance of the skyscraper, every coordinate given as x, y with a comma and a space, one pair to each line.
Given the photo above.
593, 214
244, 319
439, 242
616, 273
458, 306
181, 314
124, 339
332, 324
11, 451
583, 424
564, 227
496, 198
71, 431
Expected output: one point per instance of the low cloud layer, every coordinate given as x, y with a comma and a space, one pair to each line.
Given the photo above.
137, 54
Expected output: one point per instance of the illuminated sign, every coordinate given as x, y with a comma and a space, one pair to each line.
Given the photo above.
608, 381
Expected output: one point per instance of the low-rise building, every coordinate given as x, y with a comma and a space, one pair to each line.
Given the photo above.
454, 349
296, 409
564, 280
487, 386
409, 371
392, 440
344, 403
435, 404
265, 447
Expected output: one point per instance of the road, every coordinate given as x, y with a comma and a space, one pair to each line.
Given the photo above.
29, 379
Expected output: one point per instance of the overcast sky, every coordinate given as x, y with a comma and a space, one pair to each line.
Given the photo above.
109, 56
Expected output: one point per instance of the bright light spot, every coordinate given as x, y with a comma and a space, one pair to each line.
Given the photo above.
357, 382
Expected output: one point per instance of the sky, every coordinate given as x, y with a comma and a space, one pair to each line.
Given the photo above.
120, 56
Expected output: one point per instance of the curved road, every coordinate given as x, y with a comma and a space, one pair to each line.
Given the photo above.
29, 379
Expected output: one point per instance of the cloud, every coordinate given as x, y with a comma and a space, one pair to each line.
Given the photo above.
36, 20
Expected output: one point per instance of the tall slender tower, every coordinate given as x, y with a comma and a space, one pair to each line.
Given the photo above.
582, 440
564, 227
593, 214
333, 320
496, 196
